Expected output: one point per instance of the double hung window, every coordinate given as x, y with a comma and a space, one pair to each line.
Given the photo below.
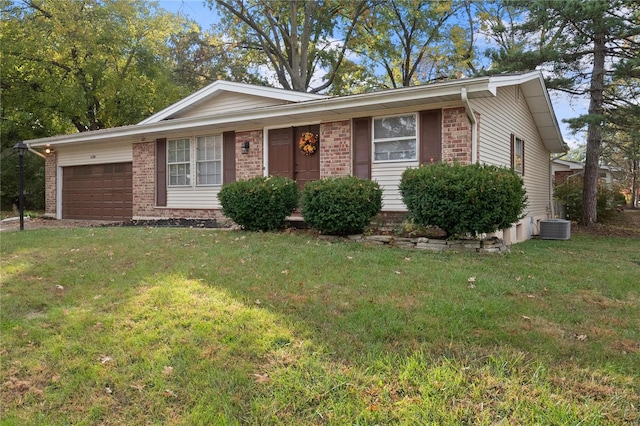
179, 162
196, 161
395, 138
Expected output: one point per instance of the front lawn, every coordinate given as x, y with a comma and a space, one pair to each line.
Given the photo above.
193, 326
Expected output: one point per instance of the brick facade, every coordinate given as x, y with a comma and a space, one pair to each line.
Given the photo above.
143, 176
456, 135
51, 184
249, 165
335, 160
144, 190
335, 149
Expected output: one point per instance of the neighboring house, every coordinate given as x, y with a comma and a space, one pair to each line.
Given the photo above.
565, 169
173, 164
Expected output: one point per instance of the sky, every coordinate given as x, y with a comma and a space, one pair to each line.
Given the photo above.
563, 106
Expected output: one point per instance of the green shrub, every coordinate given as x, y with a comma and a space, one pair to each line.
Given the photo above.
261, 203
463, 200
341, 206
570, 194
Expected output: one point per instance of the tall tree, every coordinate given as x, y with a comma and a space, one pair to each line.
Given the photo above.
581, 46
417, 41
78, 65
296, 39
202, 57
86, 64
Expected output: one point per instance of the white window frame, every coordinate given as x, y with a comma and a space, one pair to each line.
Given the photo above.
217, 139
192, 163
413, 138
177, 164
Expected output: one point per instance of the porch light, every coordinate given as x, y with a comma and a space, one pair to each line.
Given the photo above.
48, 150
245, 147
21, 149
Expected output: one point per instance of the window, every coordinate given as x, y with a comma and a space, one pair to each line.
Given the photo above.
394, 138
209, 160
206, 163
179, 161
517, 154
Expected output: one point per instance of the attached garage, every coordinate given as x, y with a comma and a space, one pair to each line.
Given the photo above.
97, 192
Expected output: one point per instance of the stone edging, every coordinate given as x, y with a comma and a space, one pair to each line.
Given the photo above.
489, 245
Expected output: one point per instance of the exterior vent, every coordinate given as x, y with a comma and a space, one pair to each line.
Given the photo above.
555, 229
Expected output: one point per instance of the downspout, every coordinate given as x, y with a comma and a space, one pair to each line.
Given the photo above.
474, 125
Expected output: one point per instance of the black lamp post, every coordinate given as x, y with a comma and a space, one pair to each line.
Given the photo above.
21, 149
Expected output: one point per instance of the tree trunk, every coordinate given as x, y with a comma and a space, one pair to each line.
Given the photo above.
594, 134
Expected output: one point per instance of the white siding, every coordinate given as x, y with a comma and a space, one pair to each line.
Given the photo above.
388, 177
205, 197
94, 153
228, 102
499, 117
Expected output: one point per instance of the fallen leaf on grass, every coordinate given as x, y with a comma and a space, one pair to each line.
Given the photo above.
262, 378
286, 272
108, 390
398, 272
167, 370
104, 359
581, 337
526, 318
137, 387
59, 287
531, 296
170, 394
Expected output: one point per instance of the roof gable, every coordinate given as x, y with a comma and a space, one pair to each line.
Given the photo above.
248, 97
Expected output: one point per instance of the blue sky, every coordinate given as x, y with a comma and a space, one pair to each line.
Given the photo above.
563, 106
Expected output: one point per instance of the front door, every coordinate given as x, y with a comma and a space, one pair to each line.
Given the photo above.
287, 159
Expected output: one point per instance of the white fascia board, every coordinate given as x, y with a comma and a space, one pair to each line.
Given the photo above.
226, 86
537, 97
476, 87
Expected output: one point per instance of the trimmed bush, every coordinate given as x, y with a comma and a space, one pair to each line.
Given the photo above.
463, 200
341, 206
261, 203
570, 194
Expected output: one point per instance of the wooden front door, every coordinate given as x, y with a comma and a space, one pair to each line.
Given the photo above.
281, 162
307, 167
286, 159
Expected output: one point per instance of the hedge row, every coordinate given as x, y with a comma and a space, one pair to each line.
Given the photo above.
460, 200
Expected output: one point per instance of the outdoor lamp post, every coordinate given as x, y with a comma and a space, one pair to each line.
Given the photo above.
21, 149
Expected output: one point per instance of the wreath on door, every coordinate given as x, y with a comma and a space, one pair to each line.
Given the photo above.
308, 143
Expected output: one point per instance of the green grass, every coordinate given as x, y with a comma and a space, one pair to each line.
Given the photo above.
191, 326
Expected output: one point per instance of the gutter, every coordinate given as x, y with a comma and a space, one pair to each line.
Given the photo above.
474, 124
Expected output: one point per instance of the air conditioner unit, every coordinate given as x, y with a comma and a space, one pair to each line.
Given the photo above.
555, 229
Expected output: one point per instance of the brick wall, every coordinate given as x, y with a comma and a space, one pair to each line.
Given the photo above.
335, 149
249, 165
456, 135
144, 170
51, 184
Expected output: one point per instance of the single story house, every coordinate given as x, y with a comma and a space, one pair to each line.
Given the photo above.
173, 164
566, 169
